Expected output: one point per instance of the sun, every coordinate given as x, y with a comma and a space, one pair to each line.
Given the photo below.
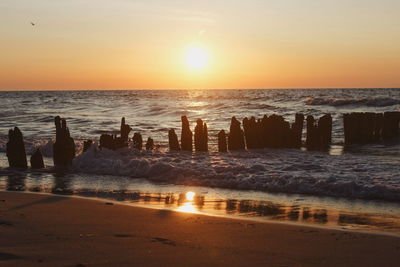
196, 58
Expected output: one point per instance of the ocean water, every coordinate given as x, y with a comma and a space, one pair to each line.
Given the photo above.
289, 184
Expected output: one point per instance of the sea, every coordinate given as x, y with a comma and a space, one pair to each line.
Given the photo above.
353, 188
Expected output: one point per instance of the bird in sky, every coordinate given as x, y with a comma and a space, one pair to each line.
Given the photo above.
33, 24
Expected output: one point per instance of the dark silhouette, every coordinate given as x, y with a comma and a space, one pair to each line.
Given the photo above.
124, 130
252, 133
186, 135
276, 132
366, 128
108, 141
319, 135
113, 142
297, 131
37, 160
137, 141
222, 146
312, 133
201, 136
235, 136
391, 122
149, 144
325, 130
173, 141
15, 149
64, 147
86, 145
33, 24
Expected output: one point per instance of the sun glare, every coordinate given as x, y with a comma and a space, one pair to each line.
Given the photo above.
187, 206
190, 196
196, 58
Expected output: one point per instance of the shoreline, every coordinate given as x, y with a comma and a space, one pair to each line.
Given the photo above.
53, 229
225, 216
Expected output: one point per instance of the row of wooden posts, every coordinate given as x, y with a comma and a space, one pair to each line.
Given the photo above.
268, 132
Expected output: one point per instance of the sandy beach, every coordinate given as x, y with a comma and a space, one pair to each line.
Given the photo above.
49, 230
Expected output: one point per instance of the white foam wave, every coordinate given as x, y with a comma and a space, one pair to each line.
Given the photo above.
289, 171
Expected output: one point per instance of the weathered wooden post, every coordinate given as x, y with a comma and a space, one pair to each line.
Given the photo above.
391, 125
86, 145
325, 130
235, 136
137, 141
149, 144
15, 149
37, 160
173, 141
297, 130
64, 147
312, 133
222, 145
200, 136
124, 130
186, 135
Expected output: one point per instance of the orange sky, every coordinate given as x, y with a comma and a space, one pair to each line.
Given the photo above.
123, 44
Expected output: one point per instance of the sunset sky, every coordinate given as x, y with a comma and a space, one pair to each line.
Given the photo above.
154, 44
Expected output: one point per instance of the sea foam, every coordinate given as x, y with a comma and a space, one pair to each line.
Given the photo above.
286, 170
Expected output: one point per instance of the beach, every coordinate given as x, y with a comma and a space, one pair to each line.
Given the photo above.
49, 230
199, 133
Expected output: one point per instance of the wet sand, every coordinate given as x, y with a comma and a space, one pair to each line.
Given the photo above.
49, 230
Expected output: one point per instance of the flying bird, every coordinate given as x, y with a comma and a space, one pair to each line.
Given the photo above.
33, 24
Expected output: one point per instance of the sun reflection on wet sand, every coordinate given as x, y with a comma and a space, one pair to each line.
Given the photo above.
343, 214
186, 203
190, 196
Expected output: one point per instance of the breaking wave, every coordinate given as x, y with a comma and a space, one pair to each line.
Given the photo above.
369, 102
285, 171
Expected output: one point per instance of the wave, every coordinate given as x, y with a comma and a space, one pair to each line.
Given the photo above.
369, 102
285, 171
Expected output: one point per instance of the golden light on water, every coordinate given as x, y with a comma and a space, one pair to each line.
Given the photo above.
188, 205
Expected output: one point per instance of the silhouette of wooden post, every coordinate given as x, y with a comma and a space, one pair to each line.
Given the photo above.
137, 141
312, 133
173, 141
37, 160
348, 126
365, 128
378, 127
325, 130
390, 125
235, 136
277, 131
107, 141
251, 132
86, 145
186, 135
222, 145
111, 141
200, 136
205, 136
149, 144
64, 147
124, 130
297, 130
15, 149
265, 132
286, 134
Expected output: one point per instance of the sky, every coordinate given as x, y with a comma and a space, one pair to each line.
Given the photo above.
126, 44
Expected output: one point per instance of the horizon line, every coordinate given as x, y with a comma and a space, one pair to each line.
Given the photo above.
190, 89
